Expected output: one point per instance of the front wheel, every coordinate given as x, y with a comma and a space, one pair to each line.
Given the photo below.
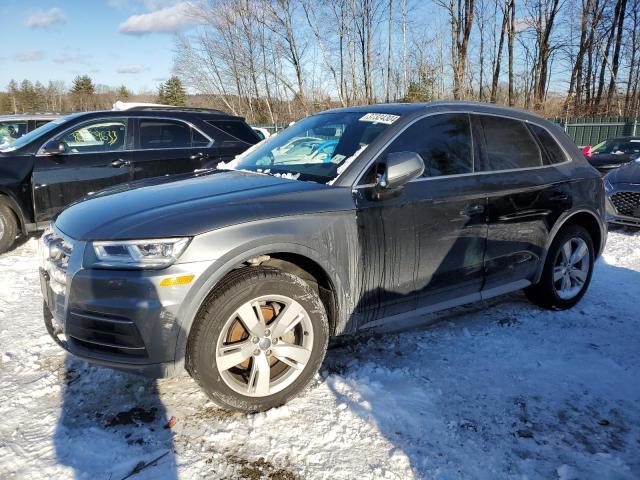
567, 270
259, 340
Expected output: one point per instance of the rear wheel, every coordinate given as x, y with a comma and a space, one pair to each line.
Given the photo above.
567, 270
8, 228
259, 340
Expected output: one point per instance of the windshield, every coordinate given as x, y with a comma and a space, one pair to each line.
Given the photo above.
34, 134
622, 146
317, 148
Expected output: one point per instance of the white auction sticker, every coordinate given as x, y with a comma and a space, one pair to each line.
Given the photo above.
379, 118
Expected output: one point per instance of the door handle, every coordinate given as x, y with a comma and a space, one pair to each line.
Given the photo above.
120, 163
472, 210
559, 197
199, 156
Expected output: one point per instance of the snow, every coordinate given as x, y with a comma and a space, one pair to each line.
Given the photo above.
495, 390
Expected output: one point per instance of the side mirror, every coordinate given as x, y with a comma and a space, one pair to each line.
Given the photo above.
54, 147
401, 167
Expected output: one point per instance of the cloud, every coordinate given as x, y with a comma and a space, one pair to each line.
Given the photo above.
166, 20
29, 56
133, 69
46, 18
76, 58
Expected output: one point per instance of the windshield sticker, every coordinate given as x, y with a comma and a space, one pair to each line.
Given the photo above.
385, 118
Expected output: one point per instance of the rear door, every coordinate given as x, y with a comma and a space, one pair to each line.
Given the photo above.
167, 147
526, 195
96, 157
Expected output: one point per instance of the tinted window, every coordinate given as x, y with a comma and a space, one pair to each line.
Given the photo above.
237, 130
553, 152
443, 142
102, 136
163, 134
508, 144
198, 140
40, 123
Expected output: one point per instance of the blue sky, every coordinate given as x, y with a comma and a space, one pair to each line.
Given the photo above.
114, 41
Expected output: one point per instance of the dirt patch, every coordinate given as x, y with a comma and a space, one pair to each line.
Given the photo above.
134, 416
260, 469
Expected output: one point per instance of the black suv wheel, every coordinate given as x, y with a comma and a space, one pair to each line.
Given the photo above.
567, 270
259, 340
8, 228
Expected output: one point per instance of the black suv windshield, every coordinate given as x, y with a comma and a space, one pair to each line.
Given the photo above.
317, 148
35, 134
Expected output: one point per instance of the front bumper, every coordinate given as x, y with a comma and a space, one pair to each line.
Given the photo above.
122, 319
623, 205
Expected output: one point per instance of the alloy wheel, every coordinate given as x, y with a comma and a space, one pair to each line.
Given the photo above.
264, 345
571, 268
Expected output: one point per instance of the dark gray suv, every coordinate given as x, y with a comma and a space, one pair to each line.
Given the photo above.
351, 219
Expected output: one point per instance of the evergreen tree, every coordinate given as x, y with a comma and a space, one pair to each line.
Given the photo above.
12, 89
162, 98
83, 91
174, 92
123, 93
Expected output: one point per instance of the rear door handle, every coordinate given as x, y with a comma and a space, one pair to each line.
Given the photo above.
199, 156
472, 210
120, 163
559, 197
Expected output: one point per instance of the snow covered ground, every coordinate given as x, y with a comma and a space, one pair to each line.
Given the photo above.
499, 390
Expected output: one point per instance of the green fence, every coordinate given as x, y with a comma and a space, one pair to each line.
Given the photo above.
591, 131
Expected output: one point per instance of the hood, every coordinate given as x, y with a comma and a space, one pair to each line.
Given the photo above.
194, 203
629, 173
605, 159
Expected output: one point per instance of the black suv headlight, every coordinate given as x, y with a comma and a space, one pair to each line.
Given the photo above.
136, 254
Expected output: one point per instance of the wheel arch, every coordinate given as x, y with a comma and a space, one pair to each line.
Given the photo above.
585, 218
7, 200
288, 257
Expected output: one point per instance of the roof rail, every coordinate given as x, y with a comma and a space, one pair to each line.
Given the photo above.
158, 106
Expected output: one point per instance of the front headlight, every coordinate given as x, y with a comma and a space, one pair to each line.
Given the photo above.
137, 254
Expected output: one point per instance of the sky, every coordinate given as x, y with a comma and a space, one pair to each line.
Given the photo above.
114, 41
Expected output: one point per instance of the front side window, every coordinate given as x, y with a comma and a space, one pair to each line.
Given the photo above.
618, 146
317, 148
12, 130
443, 141
100, 136
508, 144
554, 153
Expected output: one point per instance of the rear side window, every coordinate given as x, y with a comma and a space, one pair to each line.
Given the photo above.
166, 134
553, 152
235, 130
443, 141
508, 144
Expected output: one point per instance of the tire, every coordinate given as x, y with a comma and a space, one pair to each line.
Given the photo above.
551, 293
230, 360
8, 228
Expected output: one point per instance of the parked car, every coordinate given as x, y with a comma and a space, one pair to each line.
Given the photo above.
623, 194
58, 163
240, 277
13, 127
614, 153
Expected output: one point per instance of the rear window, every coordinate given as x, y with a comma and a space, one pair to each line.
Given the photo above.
167, 134
236, 130
554, 154
508, 144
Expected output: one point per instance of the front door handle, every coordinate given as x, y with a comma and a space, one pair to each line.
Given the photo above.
472, 210
120, 163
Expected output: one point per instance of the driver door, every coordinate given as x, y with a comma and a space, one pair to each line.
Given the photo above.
96, 156
423, 246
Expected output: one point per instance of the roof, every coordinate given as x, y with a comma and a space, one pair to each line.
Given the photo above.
406, 108
30, 116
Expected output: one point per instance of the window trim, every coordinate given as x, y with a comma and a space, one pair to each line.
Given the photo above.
569, 158
131, 126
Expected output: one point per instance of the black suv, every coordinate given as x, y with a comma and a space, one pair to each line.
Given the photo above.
68, 158
351, 219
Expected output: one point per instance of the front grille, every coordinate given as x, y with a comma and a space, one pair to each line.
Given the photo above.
627, 203
55, 254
